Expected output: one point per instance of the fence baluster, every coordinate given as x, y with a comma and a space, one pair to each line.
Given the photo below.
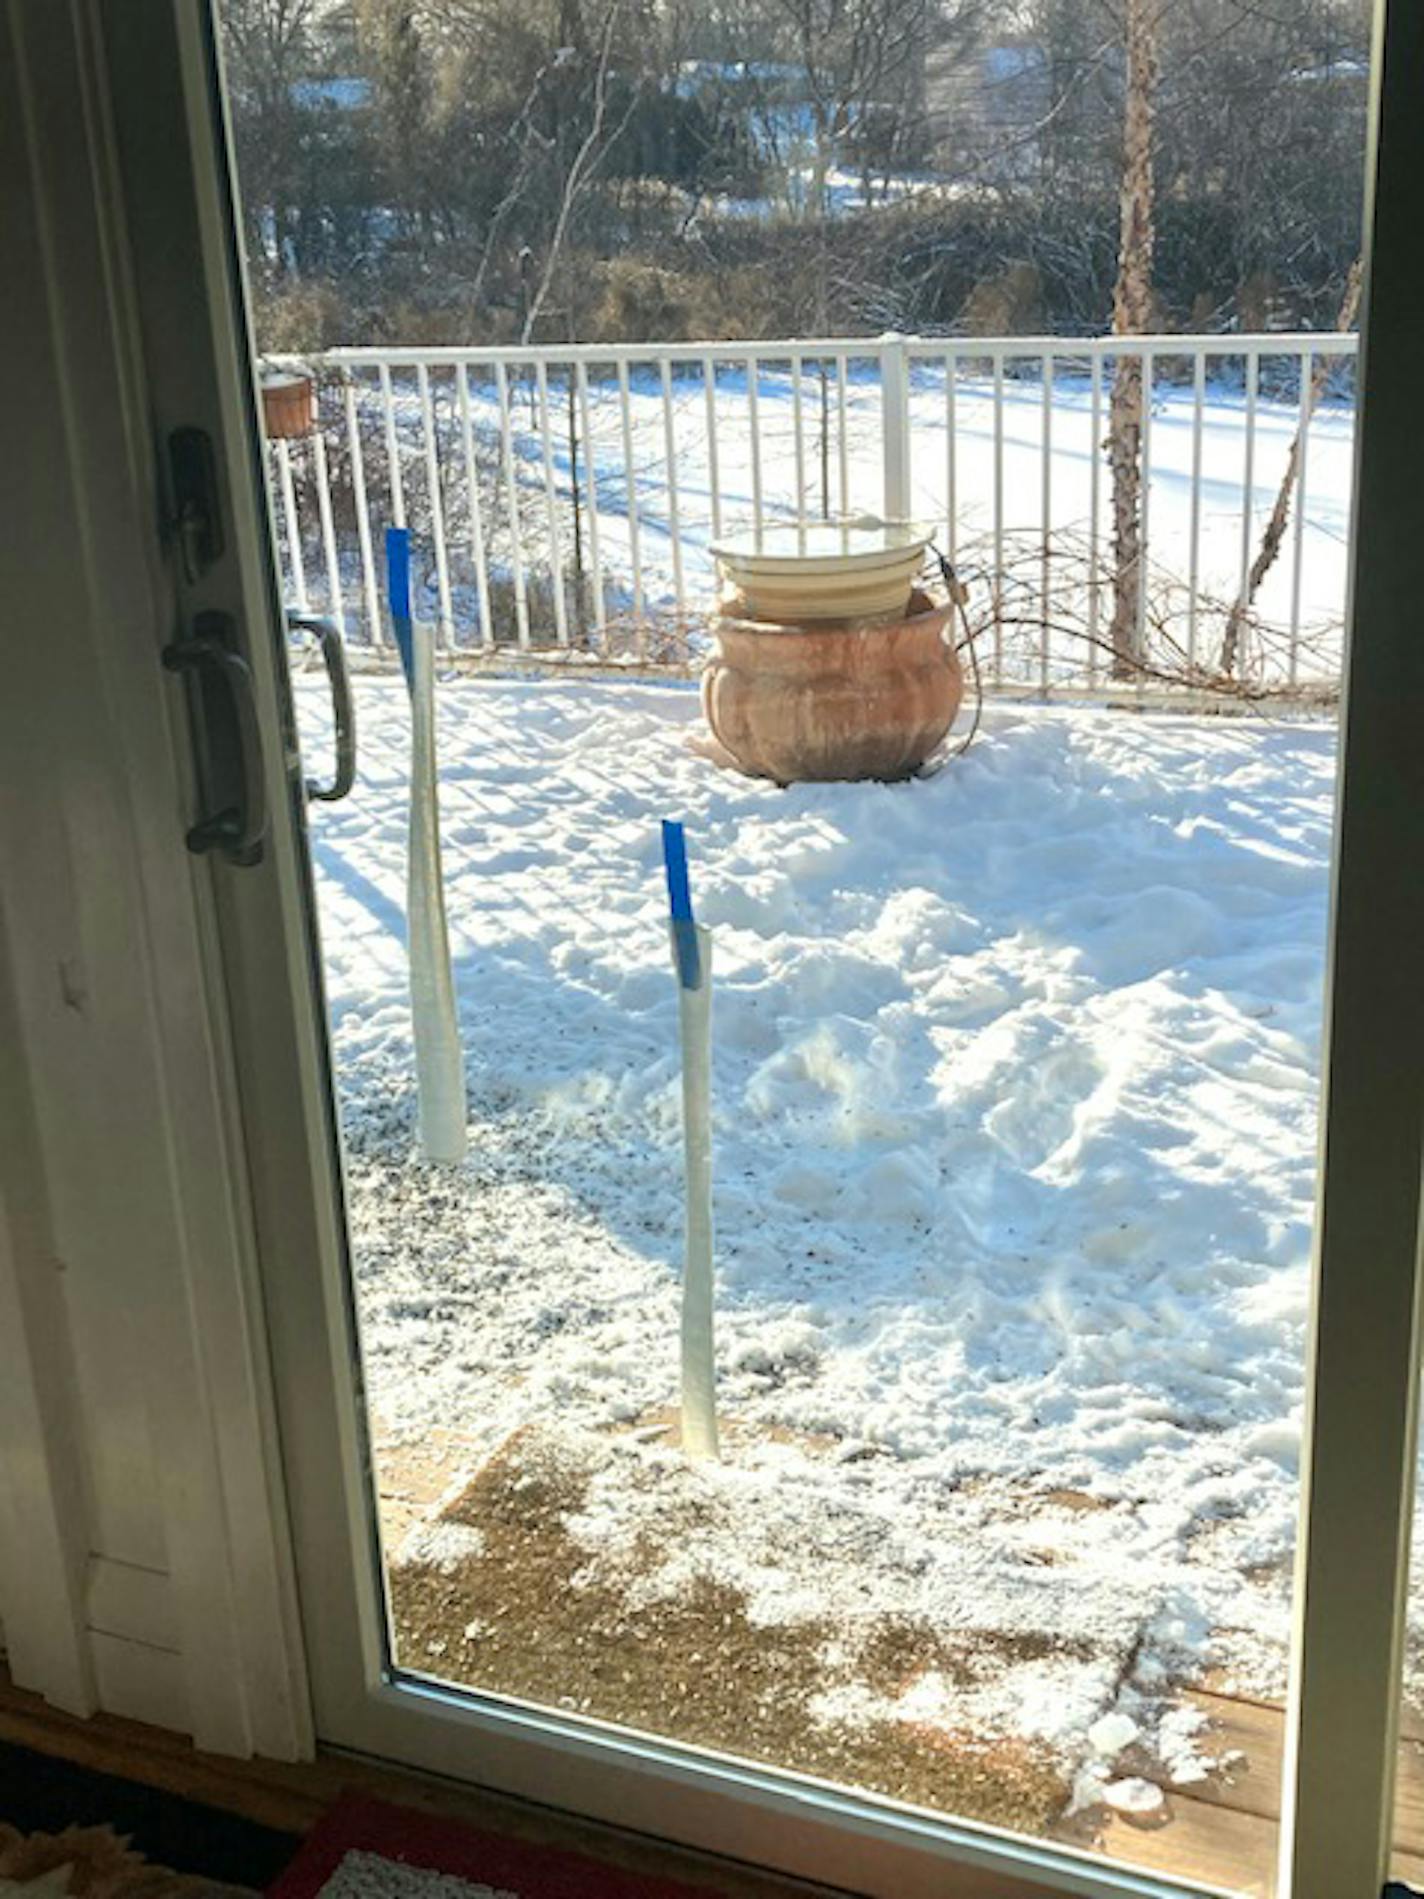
293, 527
1046, 511
1145, 506
895, 428
551, 506
590, 477
798, 430
674, 520
843, 432
1248, 478
951, 503
625, 403
714, 485
363, 518
393, 460
1194, 554
997, 675
328, 532
437, 509
477, 526
754, 421
511, 502
1094, 507
1307, 371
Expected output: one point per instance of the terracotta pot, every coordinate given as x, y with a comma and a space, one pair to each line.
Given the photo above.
817, 702
288, 407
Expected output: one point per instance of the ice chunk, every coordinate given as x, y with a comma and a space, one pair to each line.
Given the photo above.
1134, 1796
1111, 1733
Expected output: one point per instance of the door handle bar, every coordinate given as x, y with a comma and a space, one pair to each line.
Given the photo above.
228, 740
333, 652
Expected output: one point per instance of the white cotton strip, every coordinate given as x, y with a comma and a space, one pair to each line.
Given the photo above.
439, 1060
699, 1392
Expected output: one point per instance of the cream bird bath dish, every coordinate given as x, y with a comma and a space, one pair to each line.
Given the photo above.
820, 570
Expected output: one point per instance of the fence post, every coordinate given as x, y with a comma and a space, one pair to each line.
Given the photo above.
895, 426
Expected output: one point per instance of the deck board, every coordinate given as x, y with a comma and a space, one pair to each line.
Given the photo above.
1254, 1785
1208, 1844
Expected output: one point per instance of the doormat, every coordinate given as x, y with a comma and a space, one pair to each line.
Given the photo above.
44, 1797
365, 1849
94, 1862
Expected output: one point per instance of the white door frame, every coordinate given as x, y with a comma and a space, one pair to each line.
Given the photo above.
1359, 1462
1364, 1353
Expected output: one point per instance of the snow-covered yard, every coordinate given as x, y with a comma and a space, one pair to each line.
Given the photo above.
1015, 1098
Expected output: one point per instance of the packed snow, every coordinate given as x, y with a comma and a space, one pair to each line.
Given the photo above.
1015, 1098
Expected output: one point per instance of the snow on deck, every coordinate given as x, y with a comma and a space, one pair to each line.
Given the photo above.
1015, 1100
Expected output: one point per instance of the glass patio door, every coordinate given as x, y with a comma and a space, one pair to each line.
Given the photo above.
507, 1571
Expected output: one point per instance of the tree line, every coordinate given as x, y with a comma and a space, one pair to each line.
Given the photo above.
558, 170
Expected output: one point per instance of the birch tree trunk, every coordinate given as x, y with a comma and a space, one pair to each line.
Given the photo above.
1274, 532
1132, 312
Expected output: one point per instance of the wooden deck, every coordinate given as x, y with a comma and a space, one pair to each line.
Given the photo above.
1221, 1832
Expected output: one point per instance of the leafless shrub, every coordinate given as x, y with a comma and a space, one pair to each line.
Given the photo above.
1044, 619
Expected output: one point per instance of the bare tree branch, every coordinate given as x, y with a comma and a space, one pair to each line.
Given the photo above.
1275, 530
585, 160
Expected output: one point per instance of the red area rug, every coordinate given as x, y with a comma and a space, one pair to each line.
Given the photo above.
364, 1849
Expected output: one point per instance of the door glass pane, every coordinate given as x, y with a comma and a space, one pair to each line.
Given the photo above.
1408, 1861
1013, 1050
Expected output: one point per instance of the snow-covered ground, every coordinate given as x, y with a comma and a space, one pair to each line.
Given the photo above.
1015, 1100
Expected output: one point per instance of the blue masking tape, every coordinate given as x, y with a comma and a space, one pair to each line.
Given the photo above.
398, 594
675, 859
689, 958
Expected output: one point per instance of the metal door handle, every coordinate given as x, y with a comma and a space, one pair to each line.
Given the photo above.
333, 652
228, 741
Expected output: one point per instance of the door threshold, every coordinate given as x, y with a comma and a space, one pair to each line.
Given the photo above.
290, 1796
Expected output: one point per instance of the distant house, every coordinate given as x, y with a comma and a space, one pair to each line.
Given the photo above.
342, 93
334, 78
718, 78
983, 106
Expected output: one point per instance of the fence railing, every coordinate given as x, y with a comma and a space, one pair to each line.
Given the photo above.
562, 499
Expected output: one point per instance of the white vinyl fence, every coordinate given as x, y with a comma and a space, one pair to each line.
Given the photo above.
562, 500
